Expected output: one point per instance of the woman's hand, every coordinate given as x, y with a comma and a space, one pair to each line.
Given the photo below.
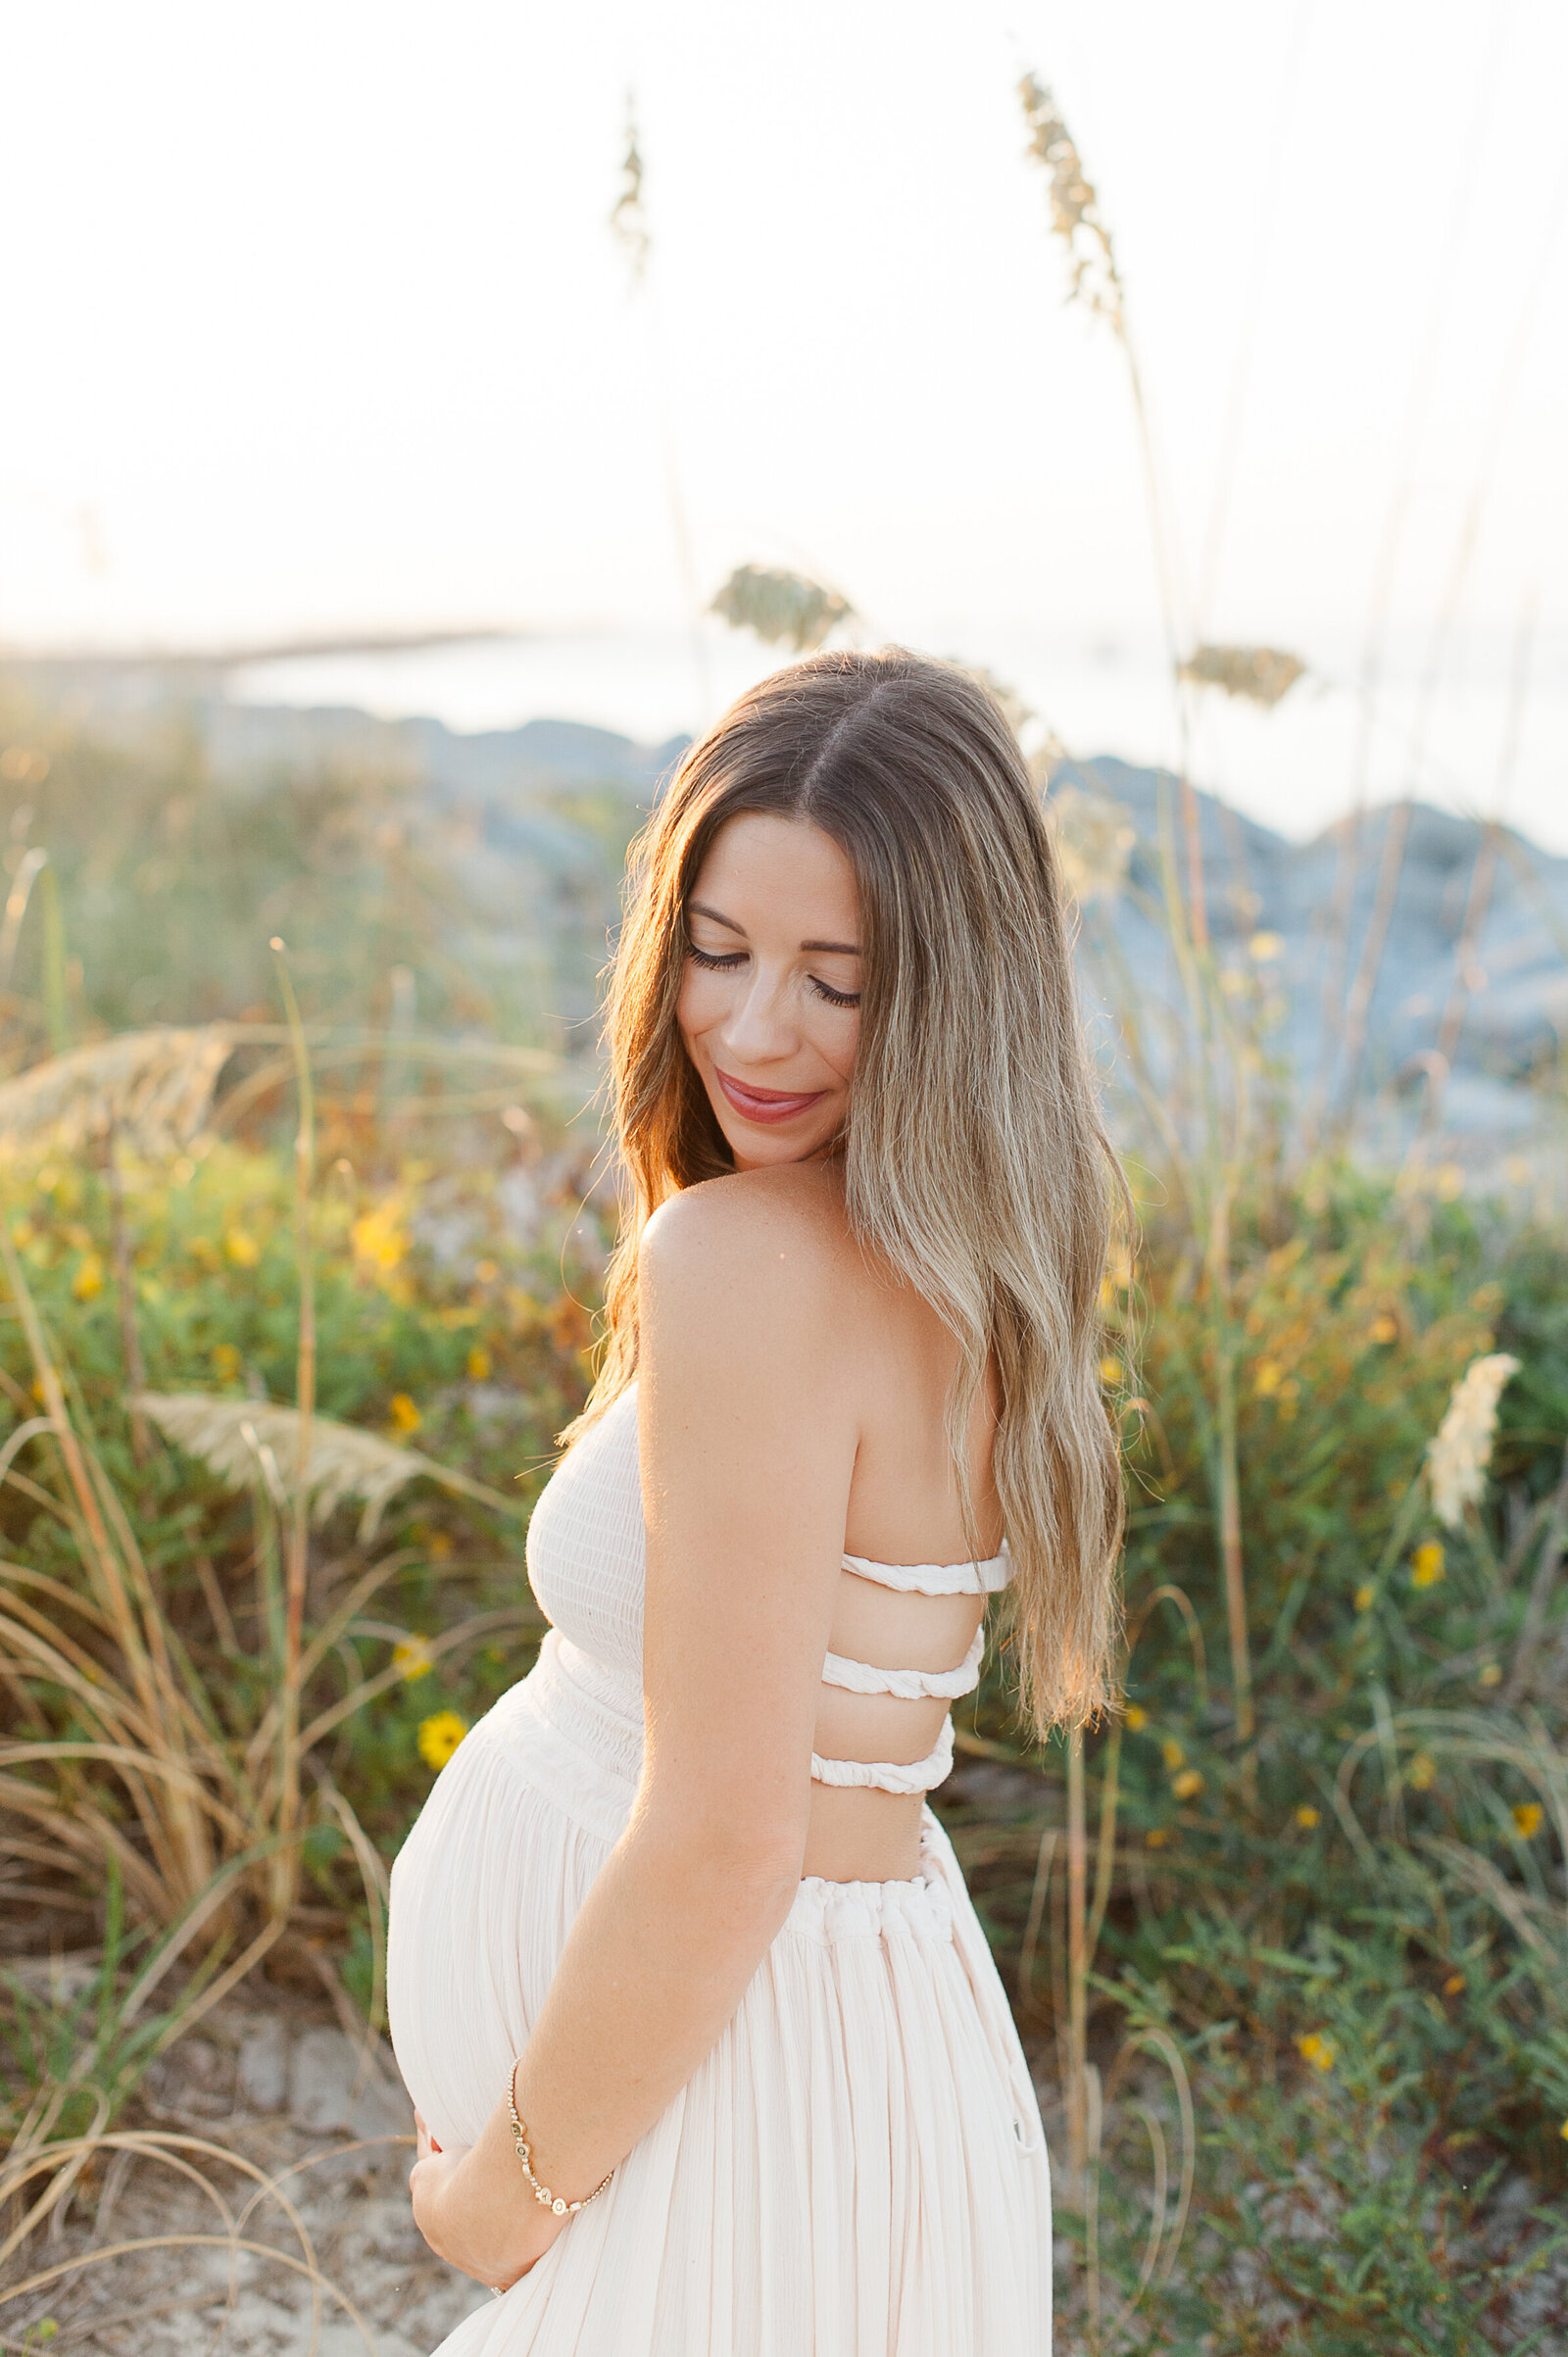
472, 2217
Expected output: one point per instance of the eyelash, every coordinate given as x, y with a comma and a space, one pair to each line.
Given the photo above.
716, 964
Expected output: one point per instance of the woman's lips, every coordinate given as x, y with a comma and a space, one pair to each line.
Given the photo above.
765, 1104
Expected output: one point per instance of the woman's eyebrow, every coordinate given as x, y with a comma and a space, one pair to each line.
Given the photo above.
838, 948
701, 909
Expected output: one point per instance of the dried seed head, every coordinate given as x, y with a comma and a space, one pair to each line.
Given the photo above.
1074, 206
152, 1088
1093, 838
783, 608
250, 1444
1260, 674
1459, 1456
628, 221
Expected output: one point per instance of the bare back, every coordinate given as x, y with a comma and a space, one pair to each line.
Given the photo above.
877, 1367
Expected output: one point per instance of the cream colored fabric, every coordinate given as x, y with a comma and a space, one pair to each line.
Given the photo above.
937, 1579
909, 1686
891, 1775
857, 2169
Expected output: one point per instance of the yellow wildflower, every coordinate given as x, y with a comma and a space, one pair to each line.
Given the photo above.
1492, 1674
226, 1361
1564, 2131
1385, 1328
1267, 1378
88, 1282
1423, 1772
478, 1364
441, 1545
1157, 1838
23, 1233
405, 1416
439, 1736
1364, 1596
1527, 1817
379, 1238
1452, 1984
1427, 1565
1171, 1751
242, 1248
1318, 2051
1137, 1716
1267, 946
412, 1655
485, 1272
1188, 1785
1306, 1816
1111, 1370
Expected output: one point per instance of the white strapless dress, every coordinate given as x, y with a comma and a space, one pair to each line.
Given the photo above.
857, 2169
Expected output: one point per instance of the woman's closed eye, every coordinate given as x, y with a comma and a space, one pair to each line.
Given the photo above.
725, 961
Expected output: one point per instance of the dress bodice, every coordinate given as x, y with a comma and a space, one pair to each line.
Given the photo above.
587, 1560
587, 1548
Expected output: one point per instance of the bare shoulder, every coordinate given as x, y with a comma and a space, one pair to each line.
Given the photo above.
769, 1246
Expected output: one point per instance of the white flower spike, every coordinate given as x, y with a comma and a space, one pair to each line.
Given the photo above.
1458, 1457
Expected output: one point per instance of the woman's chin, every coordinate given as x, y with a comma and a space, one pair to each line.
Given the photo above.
759, 1149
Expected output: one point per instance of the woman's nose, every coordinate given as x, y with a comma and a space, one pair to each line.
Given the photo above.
760, 1026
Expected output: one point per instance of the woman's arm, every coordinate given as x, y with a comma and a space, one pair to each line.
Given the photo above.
749, 1437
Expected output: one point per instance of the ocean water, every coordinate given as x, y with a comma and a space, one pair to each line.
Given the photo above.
1296, 768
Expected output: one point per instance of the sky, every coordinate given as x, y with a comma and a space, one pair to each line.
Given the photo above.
317, 326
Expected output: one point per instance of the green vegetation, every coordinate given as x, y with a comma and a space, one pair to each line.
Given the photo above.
1289, 1940
1346, 1936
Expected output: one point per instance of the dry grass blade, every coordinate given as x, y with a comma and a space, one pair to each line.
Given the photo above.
1258, 674
241, 1441
172, 2150
1159, 2042
151, 1088
783, 608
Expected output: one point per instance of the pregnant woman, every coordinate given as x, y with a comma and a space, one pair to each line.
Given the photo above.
709, 2053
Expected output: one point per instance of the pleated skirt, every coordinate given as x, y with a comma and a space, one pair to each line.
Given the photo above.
857, 2169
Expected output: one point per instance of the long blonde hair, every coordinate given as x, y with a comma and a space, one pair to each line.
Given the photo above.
976, 1165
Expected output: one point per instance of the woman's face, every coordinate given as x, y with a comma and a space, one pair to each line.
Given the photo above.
770, 1003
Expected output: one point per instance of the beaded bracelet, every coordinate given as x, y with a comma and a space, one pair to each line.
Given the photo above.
525, 2150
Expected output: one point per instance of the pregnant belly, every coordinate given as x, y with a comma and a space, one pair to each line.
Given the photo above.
484, 1892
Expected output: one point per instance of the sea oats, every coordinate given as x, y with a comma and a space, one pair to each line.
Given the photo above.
1258, 675
782, 609
152, 1088
1074, 206
1458, 1457
239, 1440
1094, 837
